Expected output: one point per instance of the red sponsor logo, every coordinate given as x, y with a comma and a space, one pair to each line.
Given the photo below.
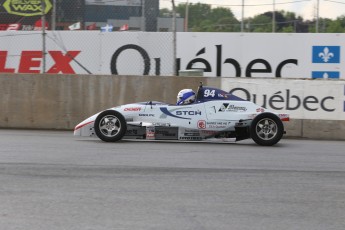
3, 26
132, 109
284, 117
31, 60
201, 124
150, 134
38, 25
260, 110
14, 26
208, 132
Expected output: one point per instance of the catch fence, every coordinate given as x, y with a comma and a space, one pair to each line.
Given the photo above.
43, 20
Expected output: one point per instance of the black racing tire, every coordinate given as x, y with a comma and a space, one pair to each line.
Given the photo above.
110, 126
266, 129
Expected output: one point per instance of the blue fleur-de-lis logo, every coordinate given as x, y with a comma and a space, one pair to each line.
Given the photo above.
325, 74
326, 55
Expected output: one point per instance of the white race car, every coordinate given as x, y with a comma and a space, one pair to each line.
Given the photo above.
215, 114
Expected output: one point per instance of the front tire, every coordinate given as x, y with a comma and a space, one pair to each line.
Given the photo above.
110, 126
266, 129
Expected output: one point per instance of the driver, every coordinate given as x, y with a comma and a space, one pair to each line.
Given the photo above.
185, 97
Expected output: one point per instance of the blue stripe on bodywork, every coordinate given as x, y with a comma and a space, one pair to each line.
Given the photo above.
167, 112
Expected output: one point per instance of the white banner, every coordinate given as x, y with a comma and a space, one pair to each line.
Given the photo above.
143, 53
302, 99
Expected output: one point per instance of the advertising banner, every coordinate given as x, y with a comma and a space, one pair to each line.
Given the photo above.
302, 99
307, 56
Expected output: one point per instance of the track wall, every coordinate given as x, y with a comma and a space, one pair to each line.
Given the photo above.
62, 101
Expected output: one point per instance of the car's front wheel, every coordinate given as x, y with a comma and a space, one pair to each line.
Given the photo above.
110, 126
266, 129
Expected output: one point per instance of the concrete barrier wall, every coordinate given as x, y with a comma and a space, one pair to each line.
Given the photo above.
62, 101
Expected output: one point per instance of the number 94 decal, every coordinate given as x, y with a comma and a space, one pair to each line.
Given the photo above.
209, 93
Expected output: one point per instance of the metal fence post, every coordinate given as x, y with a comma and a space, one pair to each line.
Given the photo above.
43, 20
174, 37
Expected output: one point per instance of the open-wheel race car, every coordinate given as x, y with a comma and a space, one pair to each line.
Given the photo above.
214, 114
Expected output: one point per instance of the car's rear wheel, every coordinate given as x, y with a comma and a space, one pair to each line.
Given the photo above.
266, 129
110, 126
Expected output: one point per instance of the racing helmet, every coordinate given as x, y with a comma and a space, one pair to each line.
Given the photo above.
185, 97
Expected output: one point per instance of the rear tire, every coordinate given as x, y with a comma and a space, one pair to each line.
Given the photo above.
266, 129
110, 126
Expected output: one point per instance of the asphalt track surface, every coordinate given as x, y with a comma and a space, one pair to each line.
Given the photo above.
53, 181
